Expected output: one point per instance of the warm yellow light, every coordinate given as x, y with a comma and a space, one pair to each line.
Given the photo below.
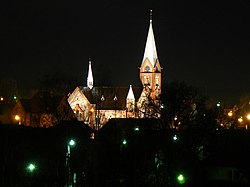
230, 113
248, 116
17, 117
175, 118
1, 98
240, 120
92, 109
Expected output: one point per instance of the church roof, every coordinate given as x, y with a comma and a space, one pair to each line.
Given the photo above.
109, 98
150, 48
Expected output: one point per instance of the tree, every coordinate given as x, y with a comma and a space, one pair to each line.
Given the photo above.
184, 106
58, 83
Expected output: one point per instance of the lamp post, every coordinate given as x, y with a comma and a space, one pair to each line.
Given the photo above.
70, 144
31, 169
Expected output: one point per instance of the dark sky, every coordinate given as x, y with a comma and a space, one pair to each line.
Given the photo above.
205, 44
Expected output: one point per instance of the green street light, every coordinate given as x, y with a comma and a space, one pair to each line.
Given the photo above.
31, 167
124, 141
181, 178
136, 129
72, 142
175, 138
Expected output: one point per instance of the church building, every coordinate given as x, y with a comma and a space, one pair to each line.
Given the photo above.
96, 105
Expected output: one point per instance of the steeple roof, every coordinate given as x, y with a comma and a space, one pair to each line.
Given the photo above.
90, 77
150, 49
130, 93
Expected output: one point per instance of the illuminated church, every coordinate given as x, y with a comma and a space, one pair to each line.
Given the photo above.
96, 105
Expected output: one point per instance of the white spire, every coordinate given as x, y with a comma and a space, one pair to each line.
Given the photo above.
90, 80
150, 49
130, 93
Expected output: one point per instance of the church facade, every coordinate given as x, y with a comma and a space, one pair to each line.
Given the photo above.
96, 105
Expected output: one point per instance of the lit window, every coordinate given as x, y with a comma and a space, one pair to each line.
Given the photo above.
102, 98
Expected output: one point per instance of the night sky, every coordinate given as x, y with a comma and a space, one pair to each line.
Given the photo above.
206, 44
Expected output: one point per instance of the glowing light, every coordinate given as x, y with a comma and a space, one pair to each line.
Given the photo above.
230, 113
175, 137
17, 117
72, 142
124, 142
248, 116
136, 129
92, 136
181, 179
1, 99
240, 119
31, 167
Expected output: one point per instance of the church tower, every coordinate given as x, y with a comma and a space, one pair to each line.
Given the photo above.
150, 70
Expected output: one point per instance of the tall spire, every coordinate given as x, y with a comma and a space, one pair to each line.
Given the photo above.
90, 80
150, 49
130, 93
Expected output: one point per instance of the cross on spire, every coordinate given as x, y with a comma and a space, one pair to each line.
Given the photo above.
151, 14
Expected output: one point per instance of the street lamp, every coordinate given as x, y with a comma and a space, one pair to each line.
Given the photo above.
124, 141
136, 129
18, 119
181, 178
70, 144
248, 116
175, 138
218, 104
240, 119
31, 167
230, 113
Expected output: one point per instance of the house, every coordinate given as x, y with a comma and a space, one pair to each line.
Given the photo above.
42, 110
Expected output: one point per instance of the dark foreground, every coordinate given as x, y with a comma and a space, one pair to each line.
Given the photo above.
132, 153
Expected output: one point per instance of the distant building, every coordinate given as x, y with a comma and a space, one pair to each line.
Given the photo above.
225, 176
96, 105
42, 110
